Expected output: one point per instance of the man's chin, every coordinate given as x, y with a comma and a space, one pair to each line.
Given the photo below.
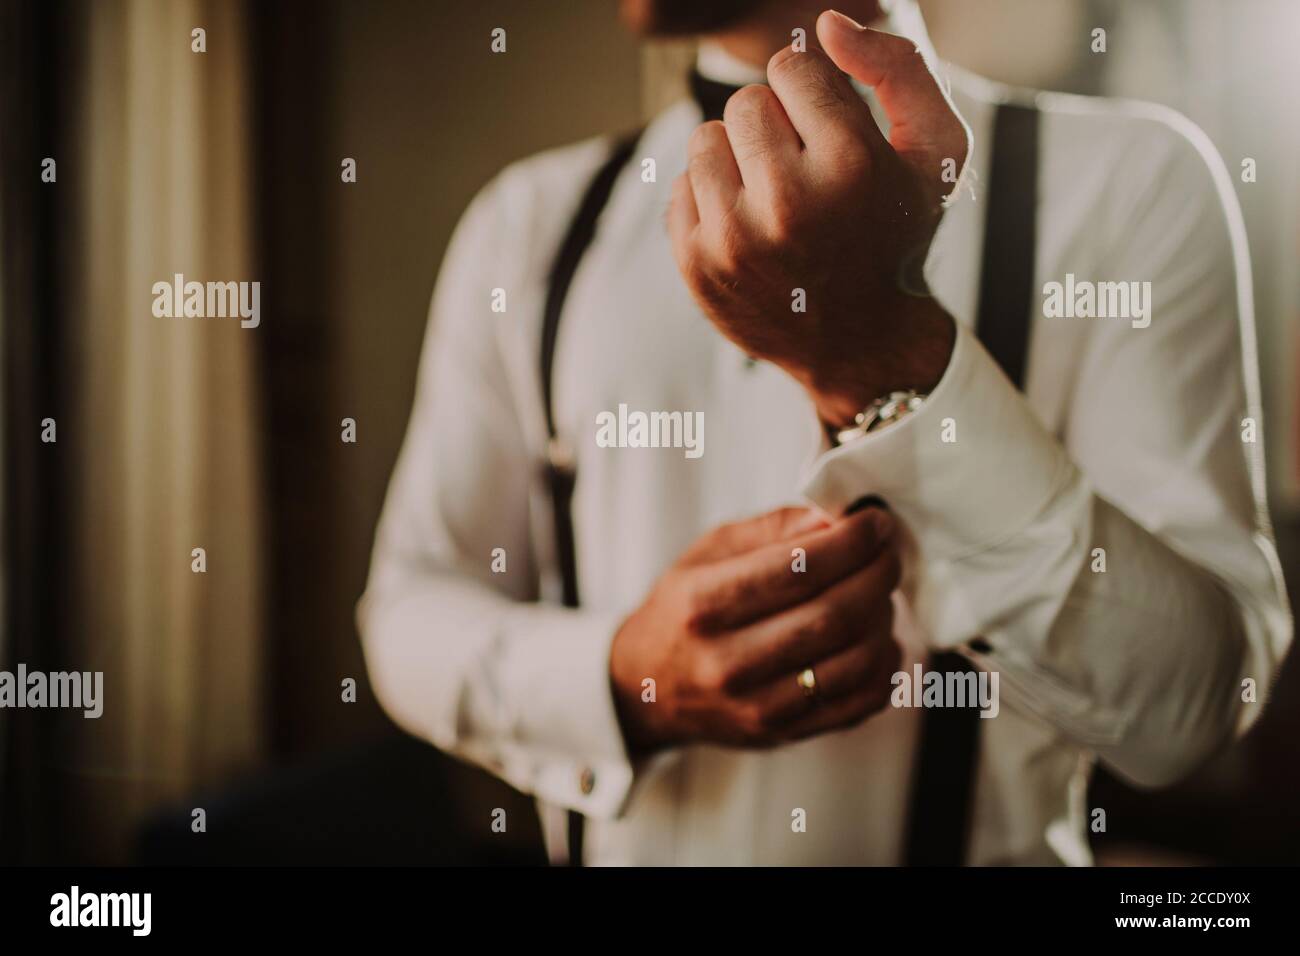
684, 17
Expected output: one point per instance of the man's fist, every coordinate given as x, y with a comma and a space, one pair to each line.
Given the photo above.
797, 188
728, 629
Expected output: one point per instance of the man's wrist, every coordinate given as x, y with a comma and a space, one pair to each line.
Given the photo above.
913, 357
640, 738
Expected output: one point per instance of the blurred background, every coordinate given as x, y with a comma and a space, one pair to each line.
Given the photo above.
224, 688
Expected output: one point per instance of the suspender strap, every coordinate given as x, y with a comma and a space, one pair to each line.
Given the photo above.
943, 784
559, 465
1007, 299
560, 474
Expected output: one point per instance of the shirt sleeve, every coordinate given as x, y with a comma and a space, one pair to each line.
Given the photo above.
459, 654
1123, 573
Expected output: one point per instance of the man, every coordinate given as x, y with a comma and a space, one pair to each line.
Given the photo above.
732, 695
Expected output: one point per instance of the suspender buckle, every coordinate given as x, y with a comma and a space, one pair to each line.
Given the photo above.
560, 456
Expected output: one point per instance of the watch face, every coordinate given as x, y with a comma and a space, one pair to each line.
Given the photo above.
898, 405
879, 414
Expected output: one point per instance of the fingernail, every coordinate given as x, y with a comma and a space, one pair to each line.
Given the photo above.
847, 21
882, 523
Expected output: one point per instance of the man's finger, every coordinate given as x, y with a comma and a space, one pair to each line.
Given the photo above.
715, 177
923, 123
762, 139
850, 707
750, 534
780, 646
839, 714
823, 107
783, 701
749, 587
683, 217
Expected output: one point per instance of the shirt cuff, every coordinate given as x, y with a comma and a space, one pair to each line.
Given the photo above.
971, 468
557, 675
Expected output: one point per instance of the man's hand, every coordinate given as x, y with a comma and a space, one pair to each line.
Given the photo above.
797, 188
729, 627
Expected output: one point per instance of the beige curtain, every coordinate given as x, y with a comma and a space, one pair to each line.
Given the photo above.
164, 434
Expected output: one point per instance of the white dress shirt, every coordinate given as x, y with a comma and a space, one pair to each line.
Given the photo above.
1127, 439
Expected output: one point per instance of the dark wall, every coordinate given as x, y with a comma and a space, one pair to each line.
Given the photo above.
39, 52
412, 91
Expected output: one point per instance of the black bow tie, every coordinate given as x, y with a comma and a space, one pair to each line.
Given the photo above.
710, 95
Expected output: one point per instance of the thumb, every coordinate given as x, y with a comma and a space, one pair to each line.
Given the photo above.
924, 127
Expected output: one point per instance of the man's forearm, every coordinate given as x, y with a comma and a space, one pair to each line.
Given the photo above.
520, 688
1139, 659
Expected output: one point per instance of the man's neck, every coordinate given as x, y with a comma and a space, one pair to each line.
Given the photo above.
755, 43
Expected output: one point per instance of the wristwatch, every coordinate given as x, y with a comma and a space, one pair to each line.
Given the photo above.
882, 413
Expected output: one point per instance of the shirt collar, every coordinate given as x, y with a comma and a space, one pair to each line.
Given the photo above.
715, 63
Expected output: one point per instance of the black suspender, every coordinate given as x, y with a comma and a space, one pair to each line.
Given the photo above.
943, 783
1007, 294
559, 458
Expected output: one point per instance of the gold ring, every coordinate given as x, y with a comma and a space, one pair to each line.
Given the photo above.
807, 681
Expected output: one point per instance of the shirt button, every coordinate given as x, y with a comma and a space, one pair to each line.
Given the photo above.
587, 781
